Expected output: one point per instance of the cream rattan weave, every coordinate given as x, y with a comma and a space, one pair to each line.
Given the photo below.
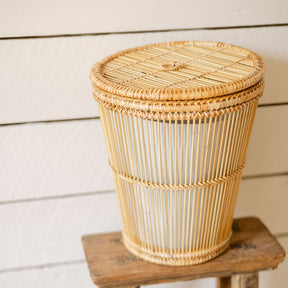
177, 118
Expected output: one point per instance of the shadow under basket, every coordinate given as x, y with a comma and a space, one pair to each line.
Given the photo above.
177, 118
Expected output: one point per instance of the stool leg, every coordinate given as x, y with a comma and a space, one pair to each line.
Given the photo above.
125, 287
224, 282
248, 280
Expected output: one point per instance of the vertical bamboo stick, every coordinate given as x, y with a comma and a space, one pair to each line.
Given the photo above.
177, 143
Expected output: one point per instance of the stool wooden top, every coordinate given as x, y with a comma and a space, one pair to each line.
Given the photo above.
253, 248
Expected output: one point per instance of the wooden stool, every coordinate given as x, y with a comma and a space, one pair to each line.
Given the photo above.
253, 249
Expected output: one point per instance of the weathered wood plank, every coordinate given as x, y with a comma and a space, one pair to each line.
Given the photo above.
112, 15
48, 79
75, 276
252, 249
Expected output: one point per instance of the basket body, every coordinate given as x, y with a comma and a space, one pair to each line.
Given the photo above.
177, 181
177, 168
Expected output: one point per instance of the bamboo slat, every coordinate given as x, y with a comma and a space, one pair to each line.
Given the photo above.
177, 118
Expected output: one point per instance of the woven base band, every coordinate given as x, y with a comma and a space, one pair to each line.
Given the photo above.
176, 259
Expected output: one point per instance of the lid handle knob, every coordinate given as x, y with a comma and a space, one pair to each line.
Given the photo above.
172, 66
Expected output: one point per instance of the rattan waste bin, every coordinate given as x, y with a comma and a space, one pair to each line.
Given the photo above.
177, 118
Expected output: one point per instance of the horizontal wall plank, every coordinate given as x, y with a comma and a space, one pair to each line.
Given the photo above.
267, 199
48, 79
50, 231
267, 150
35, 233
52, 17
66, 276
75, 276
43, 160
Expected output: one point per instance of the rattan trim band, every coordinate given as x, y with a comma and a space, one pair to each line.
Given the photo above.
172, 115
177, 187
180, 106
176, 259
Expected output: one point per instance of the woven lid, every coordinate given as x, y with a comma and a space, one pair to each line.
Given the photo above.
178, 71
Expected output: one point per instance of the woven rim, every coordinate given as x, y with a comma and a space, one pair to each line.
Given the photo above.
177, 110
255, 72
196, 257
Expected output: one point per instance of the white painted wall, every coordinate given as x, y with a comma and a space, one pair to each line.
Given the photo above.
54, 179
42, 17
57, 69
